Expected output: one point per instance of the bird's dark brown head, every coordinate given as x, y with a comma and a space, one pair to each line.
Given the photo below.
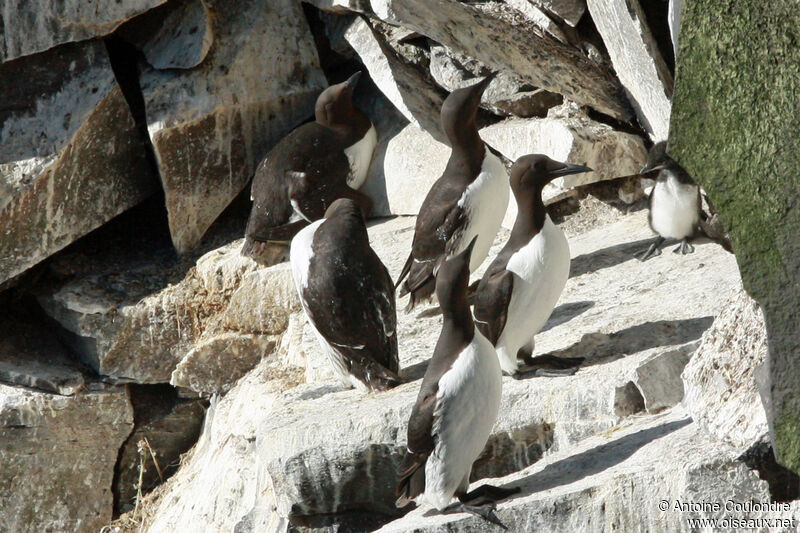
658, 158
461, 107
530, 173
335, 105
344, 207
452, 280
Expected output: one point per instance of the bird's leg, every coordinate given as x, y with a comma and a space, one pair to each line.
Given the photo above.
481, 502
655, 249
545, 365
684, 247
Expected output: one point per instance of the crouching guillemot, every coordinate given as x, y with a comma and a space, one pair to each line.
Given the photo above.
675, 206
456, 407
519, 290
348, 297
310, 168
468, 200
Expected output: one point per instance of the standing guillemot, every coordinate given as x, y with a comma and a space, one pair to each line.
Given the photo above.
310, 168
520, 288
348, 297
469, 199
456, 407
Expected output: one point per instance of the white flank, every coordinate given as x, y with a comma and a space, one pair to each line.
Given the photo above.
674, 209
485, 201
300, 257
466, 409
360, 156
540, 269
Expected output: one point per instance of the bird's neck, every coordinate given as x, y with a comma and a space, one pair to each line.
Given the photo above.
531, 215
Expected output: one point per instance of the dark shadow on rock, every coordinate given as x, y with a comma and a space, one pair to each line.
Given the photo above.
607, 257
600, 348
566, 312
593, 461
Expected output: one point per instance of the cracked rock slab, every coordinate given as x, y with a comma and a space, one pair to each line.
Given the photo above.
58, 454
211, 125
67, 141
33, 26
637, 61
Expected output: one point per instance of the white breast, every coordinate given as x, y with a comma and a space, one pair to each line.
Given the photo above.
360, 156
485, 200
541, 270
300, 257
674, 212
467, 404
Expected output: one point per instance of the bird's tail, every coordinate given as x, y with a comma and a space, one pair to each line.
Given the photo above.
404, 273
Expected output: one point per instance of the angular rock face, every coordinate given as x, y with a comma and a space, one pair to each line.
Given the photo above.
726, 146
211, 125
637, 61
721, 391
537, 56
169, 426
567, 134
507, 95
67, 141
570, 11
32, 26
58, 455
146, 321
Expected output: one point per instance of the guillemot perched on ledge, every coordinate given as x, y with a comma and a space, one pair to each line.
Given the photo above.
310, 168
468, 200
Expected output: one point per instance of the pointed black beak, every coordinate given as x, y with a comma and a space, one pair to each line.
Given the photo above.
352, 81
568, 169
481, 86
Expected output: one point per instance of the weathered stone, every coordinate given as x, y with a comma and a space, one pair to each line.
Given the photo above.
175, 35
31, 357
567, 134
170, 427
721, 391
570, 11
513, 9
33, 26
522, 47
214, 365
409, 88
637, 61
67, 141
609, 482
726, 146
137, 320
211, 125
507, 95
58, 455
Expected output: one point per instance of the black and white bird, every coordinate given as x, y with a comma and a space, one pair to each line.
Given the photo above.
310, 168
519, 290
456, 407
468, 200
348, 297
675, 205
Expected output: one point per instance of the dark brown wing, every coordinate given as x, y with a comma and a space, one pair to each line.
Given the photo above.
411, 476
491, 304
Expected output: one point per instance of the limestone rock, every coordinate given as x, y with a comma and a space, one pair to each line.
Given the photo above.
58, 455
726, 149
570, 11
721, 391
637, 61
567, 134
67, 141
169, 425
408, 87
176, 35
521, 47
211, 125
33, 26
607, 483
31, 357
136, 320
507, 95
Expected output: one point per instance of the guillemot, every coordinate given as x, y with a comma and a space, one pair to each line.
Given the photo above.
348, 296
469, 199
